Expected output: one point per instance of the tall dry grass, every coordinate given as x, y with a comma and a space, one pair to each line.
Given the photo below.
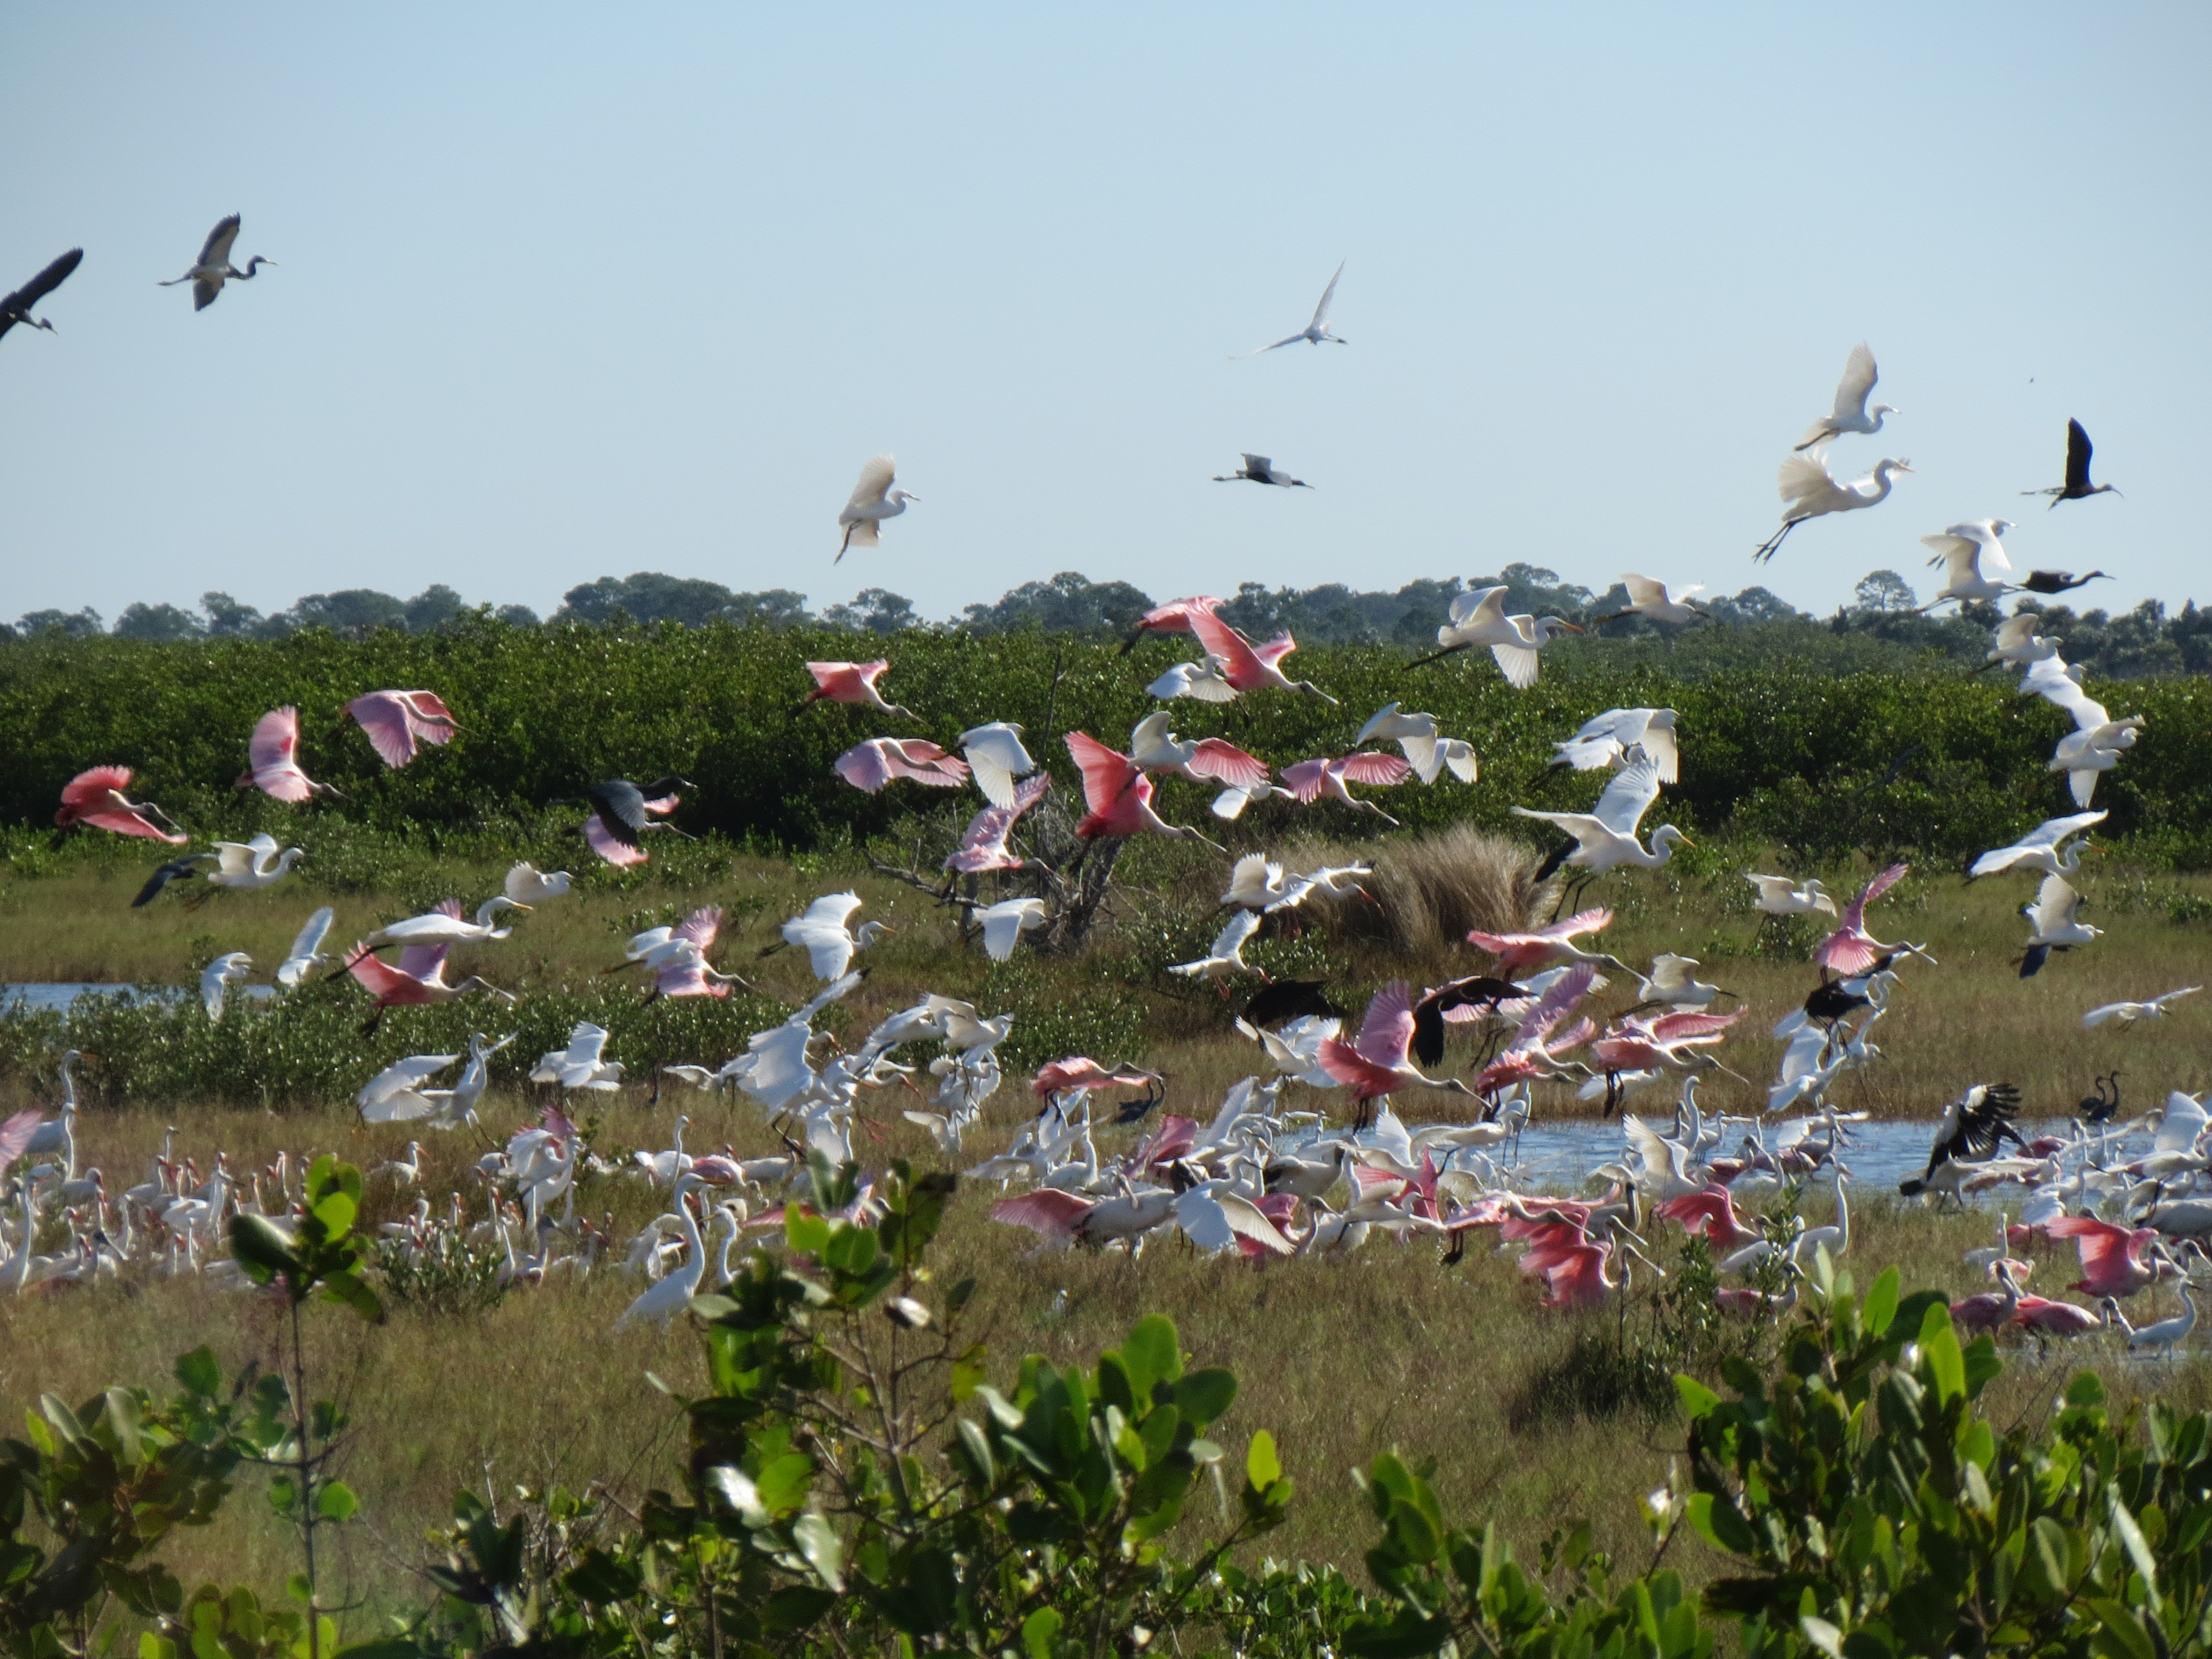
1431, 889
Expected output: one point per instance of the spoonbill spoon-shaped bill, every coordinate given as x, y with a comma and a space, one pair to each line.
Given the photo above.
2045, 848
396, 1094
306, 953
273, 759
824, 932
1201, 680
213, 268
1851, 949
526, 884
1429, 753
1226, 954
873, 500
1810, 490
2127, 1013
2060, 581
1636, 1045
2116, 1260
17, 307
1309, 781
1005, 923
1118, 794
2077, 486
853, 683
1258, 469
983, 845
1205, 760
1780, 896
1605, 739
399, 723
417, 980
1963, 551
1656, 602
996, 758
1606, 835
869, 766
1246, 666
1850, 413
1316, 330
218, 976
1173, 617
95, 798
2054, 924
1477, 618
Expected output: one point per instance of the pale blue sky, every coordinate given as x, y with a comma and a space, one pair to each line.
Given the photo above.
567, 292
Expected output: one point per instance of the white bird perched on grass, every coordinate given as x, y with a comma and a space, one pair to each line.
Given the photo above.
1809, 490
873, 501
1963, 549
583, 1064
1005, 923
823, 931
1429, 754
1779, 897
2016, 641
1316, 330
1226, 955
995, 759
2044, 848
2127, 1013
446, 926
307, 952
218, 976
1850, 413
1606, 835
526, 885
1656, 602
2054, 923
1478, 617
671, 1294
1604, 740
1201, 680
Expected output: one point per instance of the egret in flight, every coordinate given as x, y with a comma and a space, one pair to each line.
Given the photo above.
1258, 469
1962, 550
1316, 330
873, 500
2077, 485
17, 307
1654, 602
1478, 617
1809, 490
2056, 924
213, 268
1850, 413
1606, 835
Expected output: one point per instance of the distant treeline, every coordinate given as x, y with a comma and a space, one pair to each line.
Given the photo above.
2146, 640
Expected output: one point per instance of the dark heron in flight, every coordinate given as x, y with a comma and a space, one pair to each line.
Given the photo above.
2077, 485
2061, 582
1258, 469
17, 307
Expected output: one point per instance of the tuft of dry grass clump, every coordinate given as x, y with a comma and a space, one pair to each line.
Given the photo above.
1430, 890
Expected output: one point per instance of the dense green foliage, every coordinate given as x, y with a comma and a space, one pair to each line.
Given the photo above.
1939, 765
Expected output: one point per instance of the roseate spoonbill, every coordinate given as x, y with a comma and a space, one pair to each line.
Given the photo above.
1173, 617
1005, 923
1225, 956
213, 268
2129, 1013
1376, 1062
1604, 740
1066, 1218
1246, 666
1605, 838
869, 766
1779, 897
1258, 469
1962, 550
983, 845
1156, 749
1974, 1126
1648, 1044
17, 307
2015, 641
1520, 954
873, 500
823, 931
1309, 779
218, 976
1851, 949
418, 979
2044, 848
1986, 1311
306, 953
273, 760
1478, 617
2047, 1316
853, 683
2060, 581
2053, 924
1082, 1073
1428, 753
2077, 486
1809, 490
1656, 602
1850, 413
624, 812
2116, 1261
397, 723
1316, 330
526, 885
2166, 1335
95, 798
1710, 1210
1577, 1273
996, 759
1119, 795
685, 971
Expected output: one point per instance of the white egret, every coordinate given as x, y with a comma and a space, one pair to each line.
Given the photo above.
218, 976
2127, 1013
1316, 330
1656, 602
444, 925
1429, 754
2054, 923
583, 1064
1226, 955
1809, 490
2045, 849
1606, 835
526, 885
1478, 617
306, 953
995, 759
396, 1094
822, 930
1604, 740
1779, 897
1201, 680
1962, 550
873, 501
1154, 748
2016, 641
1005, 923
1850, 413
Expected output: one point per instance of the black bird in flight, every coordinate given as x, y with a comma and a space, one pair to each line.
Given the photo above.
17, 307
2077, 485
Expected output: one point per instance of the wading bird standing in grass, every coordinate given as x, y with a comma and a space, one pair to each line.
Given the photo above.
1962, 550
1429, 754
399, 723
2127, 1013
1850, 413
1258, 469
1119, 795
624, 812
2054, 924
1655, 602
213, 268
1316, 330
869, 766
417, 980
1478, 617
2077, 486
273, 760
873, 500
95, 798
2046, 848
1851, 949
1809, 490
2165, 1336
17, 307
853, 683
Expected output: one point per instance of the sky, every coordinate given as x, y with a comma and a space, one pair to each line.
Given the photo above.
566, 292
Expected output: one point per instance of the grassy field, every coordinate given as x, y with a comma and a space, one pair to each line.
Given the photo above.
1340, 1359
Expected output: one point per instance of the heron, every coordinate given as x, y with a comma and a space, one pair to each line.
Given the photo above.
1850, 413
1656, 602
17, 306
1260, 470
1810, 490
1316, 330
213, 268
2077, 486
1962, 550
873, 500
2060, 581
1478, 617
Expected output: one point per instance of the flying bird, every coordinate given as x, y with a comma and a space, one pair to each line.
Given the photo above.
1429, 754
1316, 330
2077, 486
1851, 949
95, 798
1478, 617
1605, 838
1850, 413
1809, 490
869, 766
1605, 739
873, 501
1173, 617
273, 760
983, 845
1119, 795
1655, 602
1258, 469
2044, 848
1247, 667
1962, 550
2054, 924
17, 307
2060, 581
822, 930
397, 723
306, 953
852, 682
1309, 779
213, 268
623, 811
2127, 1013
996, 759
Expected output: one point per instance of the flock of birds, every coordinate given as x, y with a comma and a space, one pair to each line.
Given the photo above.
1264, 1175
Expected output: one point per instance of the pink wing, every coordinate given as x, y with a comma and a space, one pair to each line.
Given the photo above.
1106, 772
1573, 1037
377, 976
1174, 616
1556, 1004
701, 926
15, 1134
1048, 1210
1389, 1027
1303, 780
1275, 650
1368, 767
425, 962
1348, 1066
864, 766
90, 798
1238, 660
1224, 763
556, 1123
607, 847
1583, 921
1671, 1029
1882, 883
2100, 1242
686, 976
1175, 1137
276, 740
1845, 951
384, 716
920, 761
